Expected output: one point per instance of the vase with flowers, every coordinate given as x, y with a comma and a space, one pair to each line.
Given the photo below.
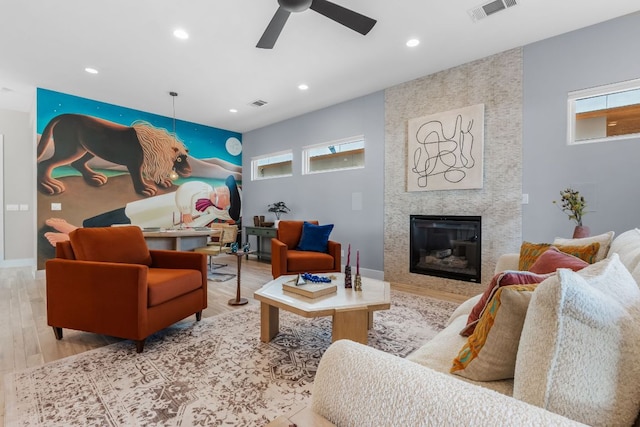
574, 205
278, 209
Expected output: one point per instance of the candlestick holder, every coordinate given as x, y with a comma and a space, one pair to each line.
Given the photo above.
347, 277
358, 283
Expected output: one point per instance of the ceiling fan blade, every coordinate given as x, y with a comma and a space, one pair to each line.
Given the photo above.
273, 30
346, 17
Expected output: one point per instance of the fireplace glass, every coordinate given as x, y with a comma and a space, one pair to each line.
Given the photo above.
446, 246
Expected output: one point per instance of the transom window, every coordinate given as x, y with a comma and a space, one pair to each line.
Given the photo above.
332, 156
605, 113
274, 165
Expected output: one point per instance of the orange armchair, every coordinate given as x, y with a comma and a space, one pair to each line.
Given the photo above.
106, 281
285, 259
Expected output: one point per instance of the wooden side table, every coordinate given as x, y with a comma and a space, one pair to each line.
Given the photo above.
238, 300
261, 233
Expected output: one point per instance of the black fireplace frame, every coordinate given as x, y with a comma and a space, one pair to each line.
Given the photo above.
414, 255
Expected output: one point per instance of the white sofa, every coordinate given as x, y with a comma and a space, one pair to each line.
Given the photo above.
359, 386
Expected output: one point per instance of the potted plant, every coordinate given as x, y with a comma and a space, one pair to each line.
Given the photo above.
278, 209
574, 205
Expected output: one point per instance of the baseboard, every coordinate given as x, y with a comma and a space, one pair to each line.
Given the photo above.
27, 262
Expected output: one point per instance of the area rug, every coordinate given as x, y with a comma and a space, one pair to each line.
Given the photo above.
213, 372
220, 277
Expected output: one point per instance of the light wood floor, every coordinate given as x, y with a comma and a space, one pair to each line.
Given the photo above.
27, 341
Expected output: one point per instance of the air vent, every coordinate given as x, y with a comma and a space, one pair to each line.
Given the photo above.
488, 9
258, 103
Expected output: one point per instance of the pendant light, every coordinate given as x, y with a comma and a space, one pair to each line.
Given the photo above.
173, 175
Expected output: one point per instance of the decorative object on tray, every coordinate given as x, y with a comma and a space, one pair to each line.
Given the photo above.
347, 270
358, 282
310, 286
574, 205
278, 209
307, 277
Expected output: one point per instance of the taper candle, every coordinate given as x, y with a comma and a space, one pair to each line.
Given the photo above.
349, 255
357, 262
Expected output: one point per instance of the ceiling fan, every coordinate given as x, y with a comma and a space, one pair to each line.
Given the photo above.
341, 15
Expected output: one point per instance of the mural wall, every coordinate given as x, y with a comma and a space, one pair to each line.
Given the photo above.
100, 164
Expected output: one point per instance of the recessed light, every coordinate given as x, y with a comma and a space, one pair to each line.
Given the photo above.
233, 110
91, 70
181, 34
303, 87
413, 42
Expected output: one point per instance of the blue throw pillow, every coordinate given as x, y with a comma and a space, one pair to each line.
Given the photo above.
314, 237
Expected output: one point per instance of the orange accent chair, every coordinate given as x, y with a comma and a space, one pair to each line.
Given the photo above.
285, 259
106, 280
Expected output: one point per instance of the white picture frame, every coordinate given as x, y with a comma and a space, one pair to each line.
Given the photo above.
445, 151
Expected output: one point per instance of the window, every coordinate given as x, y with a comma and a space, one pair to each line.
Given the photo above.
605, 113
273, 165
331, 156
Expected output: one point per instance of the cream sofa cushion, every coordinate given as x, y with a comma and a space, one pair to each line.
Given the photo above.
357, 385
579, 345
628, 239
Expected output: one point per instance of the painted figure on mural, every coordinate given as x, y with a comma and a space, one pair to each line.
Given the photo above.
193, 204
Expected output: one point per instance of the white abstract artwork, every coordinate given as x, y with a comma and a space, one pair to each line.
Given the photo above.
445, 150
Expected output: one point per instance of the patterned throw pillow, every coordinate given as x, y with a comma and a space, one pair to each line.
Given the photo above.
605, 240
529, 253
505, 278
490, 352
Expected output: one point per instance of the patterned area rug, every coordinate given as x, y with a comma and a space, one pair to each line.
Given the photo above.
214, 372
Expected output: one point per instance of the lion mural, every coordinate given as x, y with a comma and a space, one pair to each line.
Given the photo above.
147, 152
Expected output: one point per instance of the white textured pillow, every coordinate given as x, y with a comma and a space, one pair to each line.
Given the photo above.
604, 240
629, 237
579, 345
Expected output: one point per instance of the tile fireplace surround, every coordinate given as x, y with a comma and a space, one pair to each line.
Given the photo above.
496, 82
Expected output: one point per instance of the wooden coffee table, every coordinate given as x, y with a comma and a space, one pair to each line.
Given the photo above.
352, 311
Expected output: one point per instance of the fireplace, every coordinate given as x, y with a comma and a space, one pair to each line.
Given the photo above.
446, 246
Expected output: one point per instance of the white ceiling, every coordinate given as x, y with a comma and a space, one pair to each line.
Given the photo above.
48, 43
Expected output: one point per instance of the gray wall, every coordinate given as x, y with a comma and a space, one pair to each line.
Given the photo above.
19, 188
496, 82
607, 174
326, 197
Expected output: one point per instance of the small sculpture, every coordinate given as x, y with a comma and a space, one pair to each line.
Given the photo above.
246, 247
347, 270
358, 284
234, 247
